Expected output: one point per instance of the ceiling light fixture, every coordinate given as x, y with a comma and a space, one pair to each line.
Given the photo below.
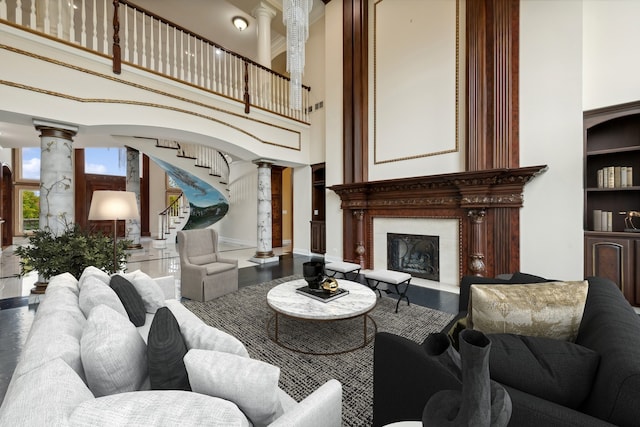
295, 15
240, 23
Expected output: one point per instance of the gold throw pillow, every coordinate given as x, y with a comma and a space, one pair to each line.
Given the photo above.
551, 309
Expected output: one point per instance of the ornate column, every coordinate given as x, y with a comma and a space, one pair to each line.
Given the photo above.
57, 199
359, 249
132, 229
478, 244
264, 252
264, 14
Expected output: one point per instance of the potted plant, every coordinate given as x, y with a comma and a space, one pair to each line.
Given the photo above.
72, 251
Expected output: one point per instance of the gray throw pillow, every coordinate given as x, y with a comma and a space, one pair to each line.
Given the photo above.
165, 353
555, 370
130, 299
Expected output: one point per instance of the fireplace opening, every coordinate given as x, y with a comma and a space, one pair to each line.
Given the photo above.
418, 255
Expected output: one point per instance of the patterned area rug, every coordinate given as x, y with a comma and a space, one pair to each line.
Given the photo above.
245, 315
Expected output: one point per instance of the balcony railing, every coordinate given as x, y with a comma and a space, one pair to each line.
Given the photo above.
136, 37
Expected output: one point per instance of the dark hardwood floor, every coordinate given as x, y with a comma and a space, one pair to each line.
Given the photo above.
16, 315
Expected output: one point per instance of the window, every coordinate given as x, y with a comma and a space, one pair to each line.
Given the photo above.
105, 161
28, 210
29, 163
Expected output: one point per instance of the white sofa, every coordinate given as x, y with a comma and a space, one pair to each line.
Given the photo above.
55, 382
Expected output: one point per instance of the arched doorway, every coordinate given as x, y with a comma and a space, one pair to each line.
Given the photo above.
6, 205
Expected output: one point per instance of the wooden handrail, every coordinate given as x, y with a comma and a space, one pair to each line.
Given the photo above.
195, 35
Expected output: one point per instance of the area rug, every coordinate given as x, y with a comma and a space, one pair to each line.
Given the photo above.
245, 315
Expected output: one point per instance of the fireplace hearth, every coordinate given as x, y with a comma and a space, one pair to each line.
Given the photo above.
418, 255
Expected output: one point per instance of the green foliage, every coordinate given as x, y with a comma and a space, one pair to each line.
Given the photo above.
72, 251
30, 205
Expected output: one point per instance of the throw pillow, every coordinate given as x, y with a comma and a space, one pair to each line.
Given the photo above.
198, 335
94, 292
92, 271
552, 309
149, 291
113, 353
250, 384
554, 370
165, 352
44, 396
158, 408
130, 299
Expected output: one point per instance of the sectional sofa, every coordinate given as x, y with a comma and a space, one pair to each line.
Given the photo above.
86, 363
591, 381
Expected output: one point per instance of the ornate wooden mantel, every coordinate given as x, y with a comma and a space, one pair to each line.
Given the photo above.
471, 197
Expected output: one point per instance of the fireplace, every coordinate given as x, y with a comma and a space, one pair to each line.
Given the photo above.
418, 255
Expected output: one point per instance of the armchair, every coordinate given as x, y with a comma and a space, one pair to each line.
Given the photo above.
204, 274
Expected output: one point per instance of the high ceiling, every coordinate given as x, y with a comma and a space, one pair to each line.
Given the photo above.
208, 18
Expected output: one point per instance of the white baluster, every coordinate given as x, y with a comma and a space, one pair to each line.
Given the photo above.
47, 19
3, 9
126, 34
72, 23
152, 54
183, 54
135, 36
59, 26
160, 63
175, 59
207, 72
105, 36
94, 33
201, 69
214, 69
19, 12
144, 40
83, 30
168, 64
32, 15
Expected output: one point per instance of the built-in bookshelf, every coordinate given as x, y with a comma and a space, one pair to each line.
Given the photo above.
611, 193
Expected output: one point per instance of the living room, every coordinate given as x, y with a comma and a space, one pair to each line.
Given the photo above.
570, 57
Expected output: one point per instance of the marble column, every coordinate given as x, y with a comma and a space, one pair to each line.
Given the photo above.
264, 252
57, 196
132, 229
264, 14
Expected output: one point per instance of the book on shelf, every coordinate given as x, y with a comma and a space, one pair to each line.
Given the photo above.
321, 295
600, 178
609, 221
597, 220
614, 177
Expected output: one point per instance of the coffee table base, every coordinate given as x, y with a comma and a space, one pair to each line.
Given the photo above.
367, 338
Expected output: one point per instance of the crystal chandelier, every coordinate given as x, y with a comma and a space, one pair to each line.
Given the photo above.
295, 15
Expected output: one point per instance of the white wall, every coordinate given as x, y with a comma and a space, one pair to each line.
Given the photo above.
416, 115
240, 224
314, 76
611, 62
333, 128
551, 133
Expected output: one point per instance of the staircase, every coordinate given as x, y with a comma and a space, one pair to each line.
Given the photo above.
208, 158
199, 162
171, 220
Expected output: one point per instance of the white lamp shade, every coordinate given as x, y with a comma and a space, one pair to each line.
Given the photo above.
113, 205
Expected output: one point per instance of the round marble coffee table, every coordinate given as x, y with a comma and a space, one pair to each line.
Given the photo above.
285, 301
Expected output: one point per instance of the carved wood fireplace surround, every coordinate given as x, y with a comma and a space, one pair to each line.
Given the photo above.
487, 197
485, 203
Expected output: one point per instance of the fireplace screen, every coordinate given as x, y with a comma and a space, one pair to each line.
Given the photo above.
415, 254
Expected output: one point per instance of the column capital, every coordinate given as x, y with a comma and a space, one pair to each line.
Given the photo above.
263, 10
58, 130
264, 163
